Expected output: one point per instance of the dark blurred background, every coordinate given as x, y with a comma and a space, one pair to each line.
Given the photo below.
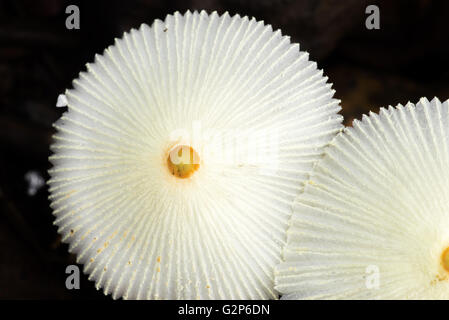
406, 59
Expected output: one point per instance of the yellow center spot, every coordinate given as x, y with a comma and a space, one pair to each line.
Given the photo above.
183, 161
445, 259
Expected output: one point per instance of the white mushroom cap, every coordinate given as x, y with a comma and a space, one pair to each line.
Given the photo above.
141, 231
373, 221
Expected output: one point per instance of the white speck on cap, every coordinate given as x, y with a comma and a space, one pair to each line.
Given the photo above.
62, 101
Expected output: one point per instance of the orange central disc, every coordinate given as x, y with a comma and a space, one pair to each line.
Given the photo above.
183, 161
445, 259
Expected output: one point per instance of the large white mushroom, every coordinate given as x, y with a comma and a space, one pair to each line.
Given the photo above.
183, 147
373, 220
